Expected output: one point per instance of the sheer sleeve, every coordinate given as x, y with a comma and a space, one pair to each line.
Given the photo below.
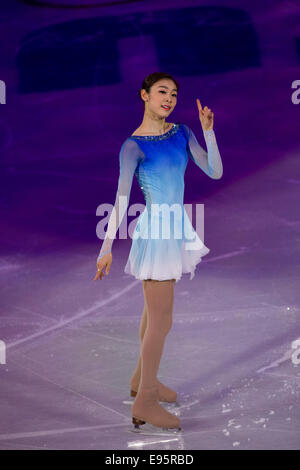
210, 162
129, 158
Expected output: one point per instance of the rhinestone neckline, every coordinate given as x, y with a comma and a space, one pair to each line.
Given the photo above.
167, 134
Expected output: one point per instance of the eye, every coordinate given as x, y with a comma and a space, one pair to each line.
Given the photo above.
161, 91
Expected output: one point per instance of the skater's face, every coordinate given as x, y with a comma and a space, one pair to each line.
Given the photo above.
162, 98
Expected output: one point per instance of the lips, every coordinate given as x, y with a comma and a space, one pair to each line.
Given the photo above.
166, 107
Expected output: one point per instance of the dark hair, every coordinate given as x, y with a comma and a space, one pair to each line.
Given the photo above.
153, 78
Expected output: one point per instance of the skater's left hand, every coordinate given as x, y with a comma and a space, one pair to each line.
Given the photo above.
206, 116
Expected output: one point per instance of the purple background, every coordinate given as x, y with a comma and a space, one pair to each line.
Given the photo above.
72, 78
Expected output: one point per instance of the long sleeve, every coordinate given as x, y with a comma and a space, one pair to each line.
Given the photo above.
129, 158
210, 162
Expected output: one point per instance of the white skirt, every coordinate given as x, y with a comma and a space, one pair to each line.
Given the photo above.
164, 258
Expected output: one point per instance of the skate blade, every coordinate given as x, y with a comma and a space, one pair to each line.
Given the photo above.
164, 403
148, 429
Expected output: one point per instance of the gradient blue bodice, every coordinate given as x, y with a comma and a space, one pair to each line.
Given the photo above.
159, 163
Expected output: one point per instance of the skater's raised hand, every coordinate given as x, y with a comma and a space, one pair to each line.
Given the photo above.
206, 116
105, 261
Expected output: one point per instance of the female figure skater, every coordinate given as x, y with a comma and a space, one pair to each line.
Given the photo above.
157, 153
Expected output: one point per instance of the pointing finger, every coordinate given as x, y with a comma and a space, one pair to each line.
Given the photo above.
199, 104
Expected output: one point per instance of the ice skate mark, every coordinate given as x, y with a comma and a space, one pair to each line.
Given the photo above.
31, 312
54, 432
139, 445
62, 323
187, 405
100, 335
286, 357
9, 445
73, 392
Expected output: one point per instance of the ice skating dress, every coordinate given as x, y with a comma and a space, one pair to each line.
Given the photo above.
164, 242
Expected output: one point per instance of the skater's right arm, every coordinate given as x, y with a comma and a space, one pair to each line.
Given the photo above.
129, 158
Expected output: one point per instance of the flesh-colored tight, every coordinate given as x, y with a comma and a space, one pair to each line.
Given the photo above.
155, 324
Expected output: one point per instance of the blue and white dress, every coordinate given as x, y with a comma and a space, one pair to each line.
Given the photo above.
164, 242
